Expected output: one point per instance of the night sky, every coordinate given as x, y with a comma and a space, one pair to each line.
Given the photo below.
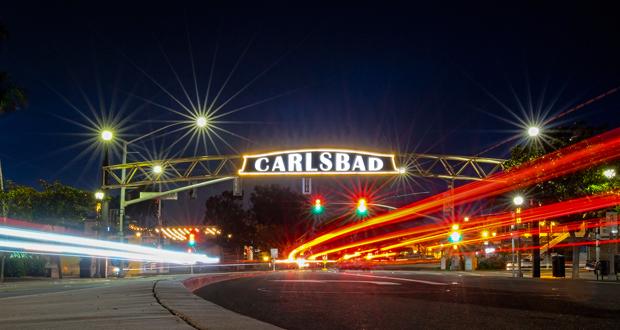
382, 76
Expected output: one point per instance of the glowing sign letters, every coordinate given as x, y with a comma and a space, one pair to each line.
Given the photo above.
318, 162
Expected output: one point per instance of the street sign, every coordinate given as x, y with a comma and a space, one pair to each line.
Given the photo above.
306, 186
151, 194
318, 162
237, 190
612, 224
274, 253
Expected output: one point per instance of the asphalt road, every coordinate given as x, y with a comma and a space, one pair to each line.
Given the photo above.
406, 300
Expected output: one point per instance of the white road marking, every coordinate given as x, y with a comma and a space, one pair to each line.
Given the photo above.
398, 279
338, 281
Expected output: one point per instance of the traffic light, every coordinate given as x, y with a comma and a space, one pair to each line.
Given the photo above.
362, 207
455, 237
318, 206
191, 240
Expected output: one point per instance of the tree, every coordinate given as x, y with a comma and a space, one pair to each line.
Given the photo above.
578, 184
280, 216
277, 218
54, 204
226, 212
59, 204
12, 97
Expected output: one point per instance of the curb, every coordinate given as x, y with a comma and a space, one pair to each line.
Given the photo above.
195, 283
177, 298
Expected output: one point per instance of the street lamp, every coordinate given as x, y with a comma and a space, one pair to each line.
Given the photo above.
201, 121
107, 135
157, 169
609, 173
99, 195
533, 131
518, 200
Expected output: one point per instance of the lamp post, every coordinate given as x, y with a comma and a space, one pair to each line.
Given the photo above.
517, 201
101, 204
200, 122
610, 174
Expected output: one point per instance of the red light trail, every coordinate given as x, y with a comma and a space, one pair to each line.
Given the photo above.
586, 153
434, 232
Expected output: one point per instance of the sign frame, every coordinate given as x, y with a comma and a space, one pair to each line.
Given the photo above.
390, 171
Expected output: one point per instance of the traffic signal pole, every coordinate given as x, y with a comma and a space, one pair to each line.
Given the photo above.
536, 251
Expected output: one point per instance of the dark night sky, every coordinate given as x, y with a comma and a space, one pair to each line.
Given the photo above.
382, 76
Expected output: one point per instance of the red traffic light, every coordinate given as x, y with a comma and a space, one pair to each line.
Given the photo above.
317, 208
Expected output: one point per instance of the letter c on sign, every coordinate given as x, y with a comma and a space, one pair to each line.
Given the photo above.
258, 162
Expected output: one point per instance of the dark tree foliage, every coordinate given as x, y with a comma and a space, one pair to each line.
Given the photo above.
280, 216
226, 212
581, 183
54, 203
12, 97
276, 219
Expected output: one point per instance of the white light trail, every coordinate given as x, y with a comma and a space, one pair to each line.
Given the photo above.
160, 254
79, 250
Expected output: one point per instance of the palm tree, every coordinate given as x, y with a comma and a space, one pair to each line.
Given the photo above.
12, 97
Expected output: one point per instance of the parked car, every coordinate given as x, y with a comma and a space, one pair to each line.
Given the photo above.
525, 263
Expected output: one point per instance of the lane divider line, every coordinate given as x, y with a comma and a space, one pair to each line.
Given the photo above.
398, 279
337, 281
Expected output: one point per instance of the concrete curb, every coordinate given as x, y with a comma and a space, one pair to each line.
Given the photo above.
197, 282
199, 313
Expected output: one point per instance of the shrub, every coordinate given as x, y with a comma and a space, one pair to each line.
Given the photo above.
20, 264
492, 263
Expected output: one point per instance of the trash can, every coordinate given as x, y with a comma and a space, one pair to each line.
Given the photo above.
604, 268
557, 266
85, 264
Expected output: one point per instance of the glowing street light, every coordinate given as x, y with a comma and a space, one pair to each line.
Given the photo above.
609, 173
518, 200
99, 195
107, 135
402, 170
157, 169
201, 121
533, 131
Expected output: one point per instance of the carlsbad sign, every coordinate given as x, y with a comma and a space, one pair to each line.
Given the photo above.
318, 162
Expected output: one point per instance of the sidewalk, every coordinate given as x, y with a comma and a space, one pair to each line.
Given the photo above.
145, 303
545, 274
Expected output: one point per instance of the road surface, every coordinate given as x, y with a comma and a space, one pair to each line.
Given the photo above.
400, 300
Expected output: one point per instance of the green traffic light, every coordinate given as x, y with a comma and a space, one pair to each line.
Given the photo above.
318, 207
455, 236
361, 209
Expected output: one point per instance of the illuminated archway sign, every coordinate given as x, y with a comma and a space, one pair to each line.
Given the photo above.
318, 162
